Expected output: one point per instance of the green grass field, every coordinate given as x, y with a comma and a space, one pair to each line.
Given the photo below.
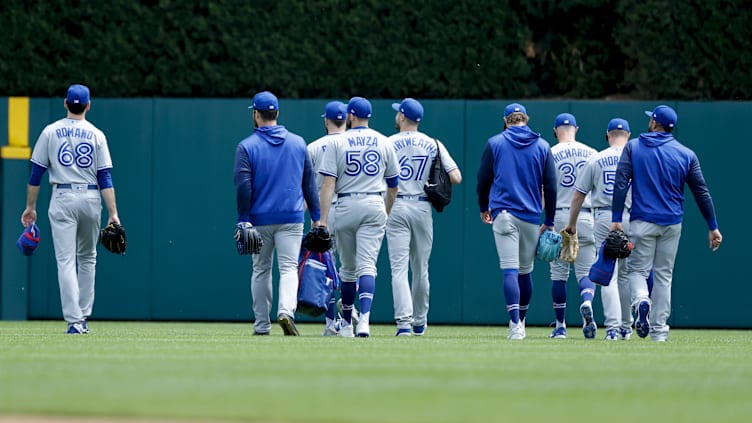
219, 372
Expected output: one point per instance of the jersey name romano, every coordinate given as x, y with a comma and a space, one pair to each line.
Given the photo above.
74, 133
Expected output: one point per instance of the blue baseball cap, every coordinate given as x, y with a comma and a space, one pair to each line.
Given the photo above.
264, 101
77, 94
514, 108
411, 108
664, 115
335, 110
618, 124
360, 107
565, 119
29, 240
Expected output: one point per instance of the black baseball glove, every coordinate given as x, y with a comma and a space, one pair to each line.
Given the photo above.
112, 237
318, 240
248, 239
617, 245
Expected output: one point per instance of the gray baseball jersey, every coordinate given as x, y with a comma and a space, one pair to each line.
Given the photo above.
73, 151
409, 230
360, 159
316, 152
77, 148
569, 159
598, 176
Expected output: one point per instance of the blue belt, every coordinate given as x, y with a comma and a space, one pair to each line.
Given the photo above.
583, 210
69, 186
356, 194
413, 197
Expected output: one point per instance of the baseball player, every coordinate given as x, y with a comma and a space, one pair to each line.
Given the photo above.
409, 230
570, 156
514, 167
76, 154
658, 167
597, 180
273, 177
355, 167
334, 123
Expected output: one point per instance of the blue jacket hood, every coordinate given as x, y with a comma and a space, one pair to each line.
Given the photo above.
655, 139
520, 136
272, 134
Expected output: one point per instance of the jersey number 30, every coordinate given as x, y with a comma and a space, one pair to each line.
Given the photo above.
81, 156
368, 162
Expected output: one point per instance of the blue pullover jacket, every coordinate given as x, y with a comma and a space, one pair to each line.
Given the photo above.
658, 166
514, 167
273, 174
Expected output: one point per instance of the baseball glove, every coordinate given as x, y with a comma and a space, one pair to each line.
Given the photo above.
570, 246
318, 240
549, 246
248, 239
112, 237
617, 245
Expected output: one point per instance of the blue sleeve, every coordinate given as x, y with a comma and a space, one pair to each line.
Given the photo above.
621, 183
485, 178
104, 178
243, 184
310, 192
549, 189
35, 179
699, 188
393, 181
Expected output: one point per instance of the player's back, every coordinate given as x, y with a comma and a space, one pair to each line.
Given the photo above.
73, 150
316, 151
416, 152
569, 159
599, 175
360, 159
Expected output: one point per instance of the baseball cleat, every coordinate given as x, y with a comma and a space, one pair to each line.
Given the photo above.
288, 325
419, 330
559, 333
612, 335
625, 334
75, 329
516, 331
642, 324
346, 331
588, 324
403, 332
355, 315
85, 326
363, 328
333, 328
260, 333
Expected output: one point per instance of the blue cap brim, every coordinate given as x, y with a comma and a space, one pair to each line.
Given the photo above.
323, 115
649, 113
396, 107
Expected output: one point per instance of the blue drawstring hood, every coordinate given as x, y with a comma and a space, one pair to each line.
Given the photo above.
273, 176
274, 135
514, 167
658, 166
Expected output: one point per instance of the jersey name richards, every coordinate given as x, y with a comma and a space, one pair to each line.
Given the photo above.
569, 159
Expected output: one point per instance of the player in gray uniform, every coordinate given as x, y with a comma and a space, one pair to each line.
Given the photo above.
76, 154
570, 156
334, 123
409, 230
658, 167
355, 167
597, 179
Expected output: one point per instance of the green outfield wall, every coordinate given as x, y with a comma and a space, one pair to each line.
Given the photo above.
173, 176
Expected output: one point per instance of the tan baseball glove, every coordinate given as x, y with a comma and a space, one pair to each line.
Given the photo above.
570, 246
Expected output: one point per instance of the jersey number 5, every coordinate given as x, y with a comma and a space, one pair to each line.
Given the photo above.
368, 162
